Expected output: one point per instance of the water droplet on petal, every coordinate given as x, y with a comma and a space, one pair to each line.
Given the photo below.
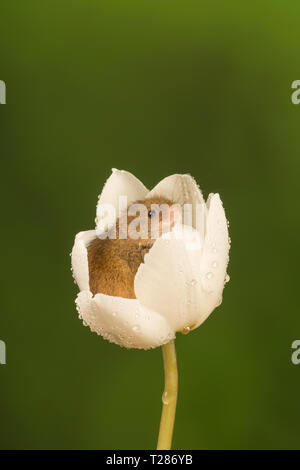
209, 275
214, 264
186, 330
136, 328
227, 278
193, 282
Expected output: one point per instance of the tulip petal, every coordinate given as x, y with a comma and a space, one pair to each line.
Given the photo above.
215, 254
175, 279
79, 258
168, 281
123, 321
120, 183
180, 189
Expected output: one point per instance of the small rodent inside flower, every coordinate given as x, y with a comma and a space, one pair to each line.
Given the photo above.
113, 262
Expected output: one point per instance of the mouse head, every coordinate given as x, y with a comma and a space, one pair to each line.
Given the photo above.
147, 220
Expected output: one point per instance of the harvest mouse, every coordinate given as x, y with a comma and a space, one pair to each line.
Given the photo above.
113, 263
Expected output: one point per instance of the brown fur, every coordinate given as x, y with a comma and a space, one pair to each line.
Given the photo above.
113, 263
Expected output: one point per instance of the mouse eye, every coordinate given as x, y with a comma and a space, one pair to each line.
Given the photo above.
151, 213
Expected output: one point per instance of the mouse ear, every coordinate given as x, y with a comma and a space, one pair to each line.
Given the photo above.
183, 190
122, 184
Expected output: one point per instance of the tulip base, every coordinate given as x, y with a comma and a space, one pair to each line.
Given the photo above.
169, 397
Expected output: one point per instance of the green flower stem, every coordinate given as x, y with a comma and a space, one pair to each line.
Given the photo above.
169, 397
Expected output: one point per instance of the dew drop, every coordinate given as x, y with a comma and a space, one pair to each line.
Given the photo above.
193, 282
136, 328
186, 330
165, 398
227, 278
214, 264
209, 275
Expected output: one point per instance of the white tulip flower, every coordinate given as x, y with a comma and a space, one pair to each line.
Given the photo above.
178, 285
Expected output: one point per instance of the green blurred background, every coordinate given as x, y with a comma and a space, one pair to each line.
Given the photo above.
153, 87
